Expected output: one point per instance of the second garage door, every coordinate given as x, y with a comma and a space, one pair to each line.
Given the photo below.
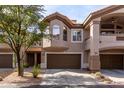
6, 60
63, 61
111, 61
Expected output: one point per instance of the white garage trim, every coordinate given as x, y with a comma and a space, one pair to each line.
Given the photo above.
82, 66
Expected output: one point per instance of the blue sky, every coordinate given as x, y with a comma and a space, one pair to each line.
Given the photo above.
76, 12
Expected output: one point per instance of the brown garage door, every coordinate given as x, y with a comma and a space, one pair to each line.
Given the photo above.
6, 60
111, 61
63, 61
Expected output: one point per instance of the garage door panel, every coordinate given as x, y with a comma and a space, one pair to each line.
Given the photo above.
6, 60
111, 61
61, 61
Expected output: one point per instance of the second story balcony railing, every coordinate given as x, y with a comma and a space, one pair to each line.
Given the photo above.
112, 32
55, 43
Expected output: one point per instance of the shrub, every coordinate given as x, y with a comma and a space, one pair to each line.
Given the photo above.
36, 71
98, 74
25, 65
16, 70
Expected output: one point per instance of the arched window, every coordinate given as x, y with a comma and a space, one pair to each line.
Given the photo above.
56, 31
65, 33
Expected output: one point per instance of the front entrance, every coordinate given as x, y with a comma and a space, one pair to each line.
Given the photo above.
112, 61
31, 58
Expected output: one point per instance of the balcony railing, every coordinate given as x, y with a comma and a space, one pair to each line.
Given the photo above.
112, 32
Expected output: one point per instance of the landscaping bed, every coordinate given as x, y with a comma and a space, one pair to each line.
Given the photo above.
100, 77
5, 73
27, 79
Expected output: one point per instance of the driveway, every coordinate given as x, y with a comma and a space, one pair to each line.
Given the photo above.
116, 75
71, 77
61, 78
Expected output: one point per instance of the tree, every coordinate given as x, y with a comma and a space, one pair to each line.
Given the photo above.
21, 26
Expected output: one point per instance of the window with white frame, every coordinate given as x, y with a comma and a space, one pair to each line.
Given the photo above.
76, 36
56, 31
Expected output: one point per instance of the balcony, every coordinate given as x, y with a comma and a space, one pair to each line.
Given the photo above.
55, 44
111, 35
112, 41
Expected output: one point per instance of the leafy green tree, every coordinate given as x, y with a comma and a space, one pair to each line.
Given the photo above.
21, 26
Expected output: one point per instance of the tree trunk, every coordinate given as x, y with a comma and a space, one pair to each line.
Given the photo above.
20, 67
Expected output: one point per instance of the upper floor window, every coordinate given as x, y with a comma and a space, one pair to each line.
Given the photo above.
76, 36
64, 33
56, 31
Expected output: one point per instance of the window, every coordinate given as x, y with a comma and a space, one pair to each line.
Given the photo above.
56, 31
76, 35
64, 33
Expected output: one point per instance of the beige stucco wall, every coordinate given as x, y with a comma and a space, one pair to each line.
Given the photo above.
110, 42
72, 47
87, 44
3, 45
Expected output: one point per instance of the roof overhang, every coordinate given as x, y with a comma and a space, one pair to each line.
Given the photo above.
101, 12
34, 49
6, 50
62, 18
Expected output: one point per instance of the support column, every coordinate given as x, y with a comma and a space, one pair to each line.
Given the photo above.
25, 58
94, 60
14, 61
35, 58
43, 60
